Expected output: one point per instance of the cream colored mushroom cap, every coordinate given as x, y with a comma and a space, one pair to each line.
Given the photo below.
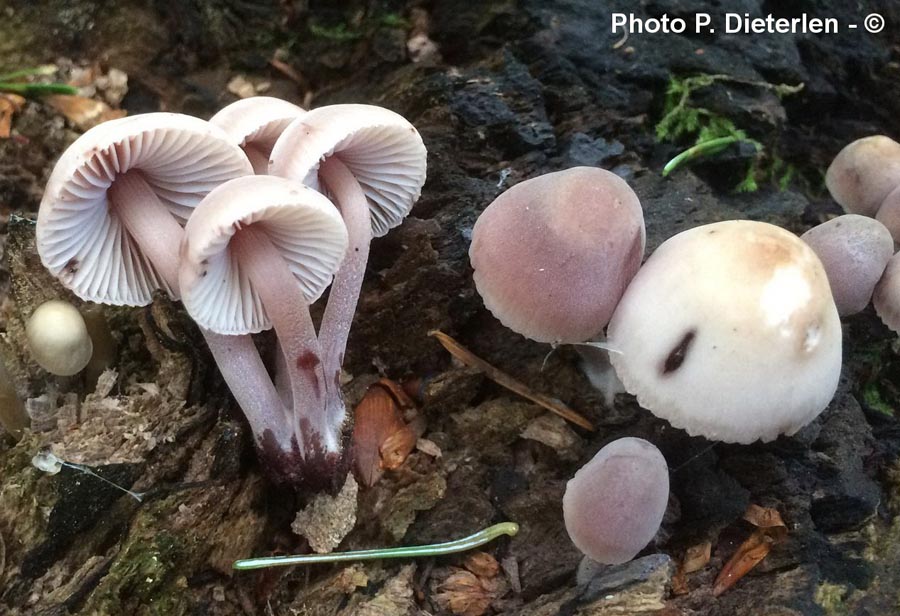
58, 338
259, 120
729, 331
80, 242
381, 148
301, 223
886, 298
864, 173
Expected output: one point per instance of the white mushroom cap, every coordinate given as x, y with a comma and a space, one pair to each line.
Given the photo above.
864, 173
552, 255
614, 504
854, 250
301, 223
887, 295
258, 120
85, 245
381, 148
58, 338
729, 331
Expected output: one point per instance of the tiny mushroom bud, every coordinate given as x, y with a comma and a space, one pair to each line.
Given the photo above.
58, 338
255, 124
864, 173
552, 255
729, 331
887, 295
614, 504
854, 250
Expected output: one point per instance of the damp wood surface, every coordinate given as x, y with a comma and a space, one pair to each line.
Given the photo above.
508, 91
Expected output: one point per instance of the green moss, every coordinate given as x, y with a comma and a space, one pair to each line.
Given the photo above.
831, 598
144, 577
683, 119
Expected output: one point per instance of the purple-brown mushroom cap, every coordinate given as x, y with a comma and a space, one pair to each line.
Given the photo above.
854, 250
864, 173
614, 504
552, 255
886, 298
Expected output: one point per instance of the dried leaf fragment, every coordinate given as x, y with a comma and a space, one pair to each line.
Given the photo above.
9, 105
770, 531
696, 557
83, 112
381, 439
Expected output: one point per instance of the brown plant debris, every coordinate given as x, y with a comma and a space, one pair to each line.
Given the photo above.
471, 591
501, 378
770, 530
381, 439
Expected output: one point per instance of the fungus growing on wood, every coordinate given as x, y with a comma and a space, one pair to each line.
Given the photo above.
854, 250
614, 504
552, 255
371, 162
257, 251
729, 331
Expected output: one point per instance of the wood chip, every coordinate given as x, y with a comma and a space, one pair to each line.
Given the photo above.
501, 378
696, 557
9, 105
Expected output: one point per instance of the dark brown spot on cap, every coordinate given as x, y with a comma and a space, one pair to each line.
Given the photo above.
677, 355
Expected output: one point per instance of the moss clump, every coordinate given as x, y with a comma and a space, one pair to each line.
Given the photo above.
831, 598
683, 119
143, 579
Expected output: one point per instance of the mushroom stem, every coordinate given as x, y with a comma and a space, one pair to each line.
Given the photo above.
150, 224
158, 236
258, 159
243, 370
344, 295
283, 300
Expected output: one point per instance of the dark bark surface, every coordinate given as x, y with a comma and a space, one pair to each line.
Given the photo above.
520, 88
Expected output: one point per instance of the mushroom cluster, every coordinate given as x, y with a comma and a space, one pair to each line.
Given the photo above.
864, 179
246, 218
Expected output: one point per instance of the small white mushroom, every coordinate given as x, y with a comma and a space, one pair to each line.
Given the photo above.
730, 331
58, 338
614, 504
854, 250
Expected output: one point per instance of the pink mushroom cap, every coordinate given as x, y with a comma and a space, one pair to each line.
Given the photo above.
615, 503
301, 223
854, 250
552, 255
864, 173
80, 238
886, 298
